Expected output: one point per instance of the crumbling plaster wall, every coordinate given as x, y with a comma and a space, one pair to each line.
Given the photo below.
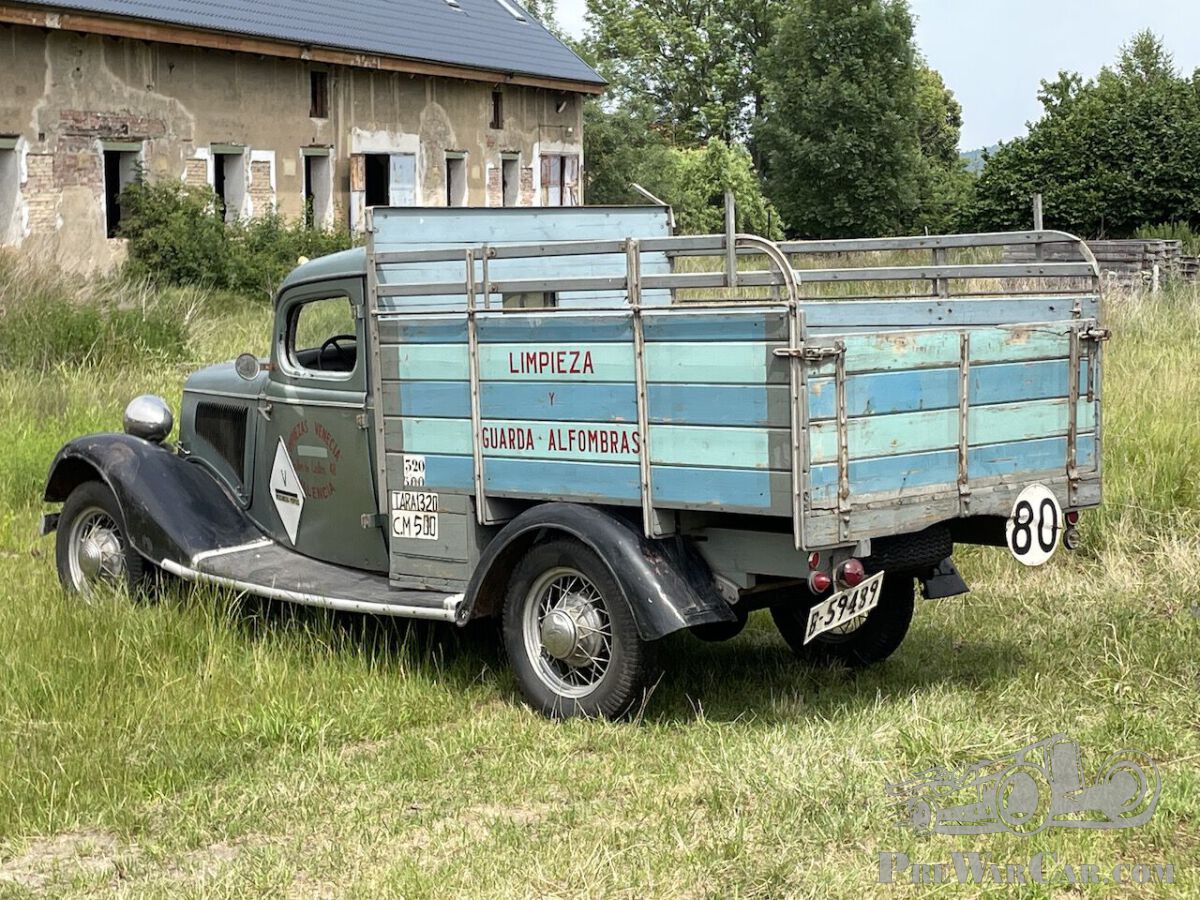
65, 94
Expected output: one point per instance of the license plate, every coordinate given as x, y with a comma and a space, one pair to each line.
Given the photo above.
841, 608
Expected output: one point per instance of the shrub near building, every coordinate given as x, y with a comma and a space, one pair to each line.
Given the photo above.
177, 235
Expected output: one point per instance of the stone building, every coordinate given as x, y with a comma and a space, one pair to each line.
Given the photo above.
307, 109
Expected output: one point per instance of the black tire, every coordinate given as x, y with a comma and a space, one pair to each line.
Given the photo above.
878, 636
609, 691
94, 501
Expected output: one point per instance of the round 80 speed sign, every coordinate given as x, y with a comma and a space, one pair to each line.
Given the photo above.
1034, 527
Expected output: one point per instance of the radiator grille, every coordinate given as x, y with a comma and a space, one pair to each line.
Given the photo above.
223, 427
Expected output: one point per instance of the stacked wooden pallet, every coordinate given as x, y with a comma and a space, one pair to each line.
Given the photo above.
1124, 262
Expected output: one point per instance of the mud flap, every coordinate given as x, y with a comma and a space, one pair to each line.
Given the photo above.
943, 581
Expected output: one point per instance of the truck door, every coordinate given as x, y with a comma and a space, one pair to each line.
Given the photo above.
315, 465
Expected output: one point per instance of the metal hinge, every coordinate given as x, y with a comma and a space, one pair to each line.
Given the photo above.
1099, 335
373, 520
812, 354
363, 421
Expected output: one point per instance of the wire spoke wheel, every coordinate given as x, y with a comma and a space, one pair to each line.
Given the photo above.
95, 550
568, 632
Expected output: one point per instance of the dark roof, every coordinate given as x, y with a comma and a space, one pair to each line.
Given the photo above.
478, 34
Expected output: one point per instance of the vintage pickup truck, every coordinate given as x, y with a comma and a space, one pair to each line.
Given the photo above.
599, 433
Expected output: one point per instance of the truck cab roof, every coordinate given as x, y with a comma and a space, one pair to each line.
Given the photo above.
350, 263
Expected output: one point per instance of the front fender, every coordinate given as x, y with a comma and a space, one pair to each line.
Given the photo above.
668, 588
173, 508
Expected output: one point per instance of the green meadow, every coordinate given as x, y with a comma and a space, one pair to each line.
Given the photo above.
207, 745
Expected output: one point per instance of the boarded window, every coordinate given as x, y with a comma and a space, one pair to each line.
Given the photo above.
510, 175
120, 171
560, 179
456, 179
319, 95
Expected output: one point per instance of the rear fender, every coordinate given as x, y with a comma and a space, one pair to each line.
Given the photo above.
173, 509
668, 587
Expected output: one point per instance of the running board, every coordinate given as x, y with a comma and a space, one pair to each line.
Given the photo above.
256, 568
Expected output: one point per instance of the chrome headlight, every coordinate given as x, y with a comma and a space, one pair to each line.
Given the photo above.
148, 417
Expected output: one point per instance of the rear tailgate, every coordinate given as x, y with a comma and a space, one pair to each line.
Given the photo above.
911, 427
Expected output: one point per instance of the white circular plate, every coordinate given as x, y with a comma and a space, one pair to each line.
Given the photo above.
1035, 525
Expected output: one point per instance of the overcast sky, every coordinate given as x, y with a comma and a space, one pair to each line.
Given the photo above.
993, 53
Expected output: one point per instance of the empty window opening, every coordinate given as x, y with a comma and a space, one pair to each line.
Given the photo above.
537, 300
510, 177
391, 179
560, 180
318, 107
120, 171
229, 182
10, 188
456, 179
318, 189
497, 109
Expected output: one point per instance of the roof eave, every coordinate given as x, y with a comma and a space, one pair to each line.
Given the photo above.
163, 32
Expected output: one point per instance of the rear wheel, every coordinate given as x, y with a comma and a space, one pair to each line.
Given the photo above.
570, 635
863, 641
92, 546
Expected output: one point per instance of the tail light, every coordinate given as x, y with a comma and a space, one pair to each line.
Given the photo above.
851, 573
814, 560
819, 582
1073, 517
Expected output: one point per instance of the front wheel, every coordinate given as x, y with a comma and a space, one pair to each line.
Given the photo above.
860, 642
92, 545
570, 635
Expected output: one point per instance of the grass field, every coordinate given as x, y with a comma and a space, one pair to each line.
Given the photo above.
206, 746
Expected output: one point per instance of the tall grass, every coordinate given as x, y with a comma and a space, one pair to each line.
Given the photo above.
207, 746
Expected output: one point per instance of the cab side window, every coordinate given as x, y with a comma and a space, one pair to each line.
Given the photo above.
321, 336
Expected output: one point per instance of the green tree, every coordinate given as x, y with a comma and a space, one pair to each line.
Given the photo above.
689, 66
840, 134
1108, 155
545, 11
622, 150
946, 186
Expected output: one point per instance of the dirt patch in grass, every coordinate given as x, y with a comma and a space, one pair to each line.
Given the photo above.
64, 857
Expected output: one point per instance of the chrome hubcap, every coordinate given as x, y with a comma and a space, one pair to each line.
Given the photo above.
567, 630
95, 551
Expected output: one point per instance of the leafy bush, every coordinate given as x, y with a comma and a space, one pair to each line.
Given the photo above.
49, 318
177, 235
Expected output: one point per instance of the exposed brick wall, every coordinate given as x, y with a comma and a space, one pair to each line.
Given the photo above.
196, 172
111, 124
495, 186
262, 195
78, 163
526, 193
40, 194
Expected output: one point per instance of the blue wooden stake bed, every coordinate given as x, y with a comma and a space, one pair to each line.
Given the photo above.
600, 433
